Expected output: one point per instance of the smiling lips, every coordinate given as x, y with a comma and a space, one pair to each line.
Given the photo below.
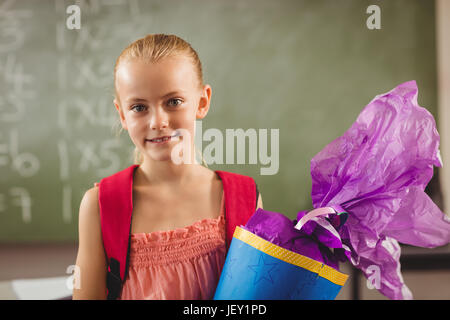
162, 139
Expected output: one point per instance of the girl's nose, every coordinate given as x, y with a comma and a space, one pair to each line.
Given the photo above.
158, 121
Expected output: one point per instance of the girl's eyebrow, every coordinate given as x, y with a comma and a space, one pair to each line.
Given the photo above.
133, 99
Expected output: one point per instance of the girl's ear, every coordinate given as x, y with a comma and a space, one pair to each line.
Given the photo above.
204, 102
121, 115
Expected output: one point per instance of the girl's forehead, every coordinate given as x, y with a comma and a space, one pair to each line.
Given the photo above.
167, 74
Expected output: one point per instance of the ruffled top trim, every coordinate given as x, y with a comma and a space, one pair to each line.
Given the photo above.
181, 244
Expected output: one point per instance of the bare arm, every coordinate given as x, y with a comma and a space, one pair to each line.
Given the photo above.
90, 281
260, 204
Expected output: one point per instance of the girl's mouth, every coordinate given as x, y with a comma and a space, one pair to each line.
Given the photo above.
164, 139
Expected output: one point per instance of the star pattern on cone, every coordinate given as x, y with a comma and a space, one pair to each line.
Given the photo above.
230, 263
262, 265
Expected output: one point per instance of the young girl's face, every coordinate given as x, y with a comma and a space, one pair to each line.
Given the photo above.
156, 99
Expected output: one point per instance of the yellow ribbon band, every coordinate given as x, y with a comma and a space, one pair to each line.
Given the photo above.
294, 258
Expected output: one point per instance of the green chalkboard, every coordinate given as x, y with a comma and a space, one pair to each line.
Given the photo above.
304, 68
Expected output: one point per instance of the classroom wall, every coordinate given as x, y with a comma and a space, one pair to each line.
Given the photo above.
304, 68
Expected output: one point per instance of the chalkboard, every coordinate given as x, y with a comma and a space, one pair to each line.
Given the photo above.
302, 68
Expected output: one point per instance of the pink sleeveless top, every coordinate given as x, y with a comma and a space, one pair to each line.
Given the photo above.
180, 264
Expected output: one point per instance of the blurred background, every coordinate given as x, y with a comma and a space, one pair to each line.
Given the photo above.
307, 68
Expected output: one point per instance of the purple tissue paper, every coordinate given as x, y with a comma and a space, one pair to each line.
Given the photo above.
377, 172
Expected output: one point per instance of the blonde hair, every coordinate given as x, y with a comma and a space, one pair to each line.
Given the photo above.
152, 48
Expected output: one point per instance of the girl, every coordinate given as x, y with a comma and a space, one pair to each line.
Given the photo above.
180, 216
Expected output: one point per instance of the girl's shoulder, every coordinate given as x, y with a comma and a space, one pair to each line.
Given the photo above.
210, 176
89, 207
90, 197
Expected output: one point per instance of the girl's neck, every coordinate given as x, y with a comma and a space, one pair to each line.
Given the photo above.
152, 172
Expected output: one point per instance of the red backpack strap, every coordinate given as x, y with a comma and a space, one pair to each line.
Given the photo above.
241, 196
116, 206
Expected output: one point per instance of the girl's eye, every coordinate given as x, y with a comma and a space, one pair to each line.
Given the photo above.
176, 102
138, 108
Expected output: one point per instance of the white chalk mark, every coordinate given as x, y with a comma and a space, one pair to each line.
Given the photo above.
62, 115
15, 75
113, 2
106, 152
23, 201
14, 143
6, 5
63, 160
89, 6
62, 74
88, 155
4, 160
67, 204
134, 9
17, 95
2, 203
86, 76
60, 41
86, 41
86, 114
13, 101
92, 74
16, 39
90, 113
59, 6
3, 150
25, 163
6, 9
12, 37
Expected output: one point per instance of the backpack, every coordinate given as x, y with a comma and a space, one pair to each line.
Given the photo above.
116, 205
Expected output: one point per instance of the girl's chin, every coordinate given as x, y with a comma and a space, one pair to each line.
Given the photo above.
166, 157
160, 157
